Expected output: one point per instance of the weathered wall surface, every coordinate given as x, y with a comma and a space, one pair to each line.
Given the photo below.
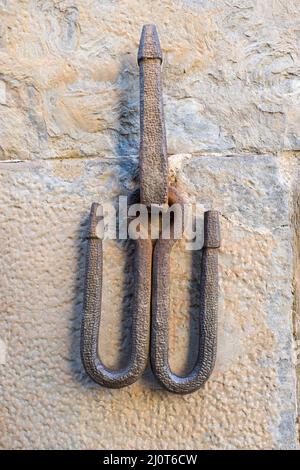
69, 132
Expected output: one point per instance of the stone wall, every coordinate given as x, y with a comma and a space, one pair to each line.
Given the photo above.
69, 135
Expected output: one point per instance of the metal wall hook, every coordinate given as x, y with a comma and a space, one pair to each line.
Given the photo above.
140, 331
152, 263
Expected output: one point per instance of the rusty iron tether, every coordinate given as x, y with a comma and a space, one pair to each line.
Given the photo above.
150, 316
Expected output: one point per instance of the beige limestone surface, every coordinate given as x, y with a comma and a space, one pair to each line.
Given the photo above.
69, 133
48, 402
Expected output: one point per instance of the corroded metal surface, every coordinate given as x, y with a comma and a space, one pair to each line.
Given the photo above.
207, 314
92, 312
154, 189
153, 145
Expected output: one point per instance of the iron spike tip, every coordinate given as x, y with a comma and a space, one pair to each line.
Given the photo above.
149, 44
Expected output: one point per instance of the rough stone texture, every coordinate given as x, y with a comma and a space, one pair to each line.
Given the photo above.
231, 74
47, 400
69, 131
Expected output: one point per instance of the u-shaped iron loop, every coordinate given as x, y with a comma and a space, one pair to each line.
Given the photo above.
94, 367
208, 311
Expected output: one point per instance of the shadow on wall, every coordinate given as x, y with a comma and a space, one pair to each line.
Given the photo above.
127, 144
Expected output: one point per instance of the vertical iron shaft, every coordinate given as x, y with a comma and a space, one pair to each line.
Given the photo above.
153, 146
